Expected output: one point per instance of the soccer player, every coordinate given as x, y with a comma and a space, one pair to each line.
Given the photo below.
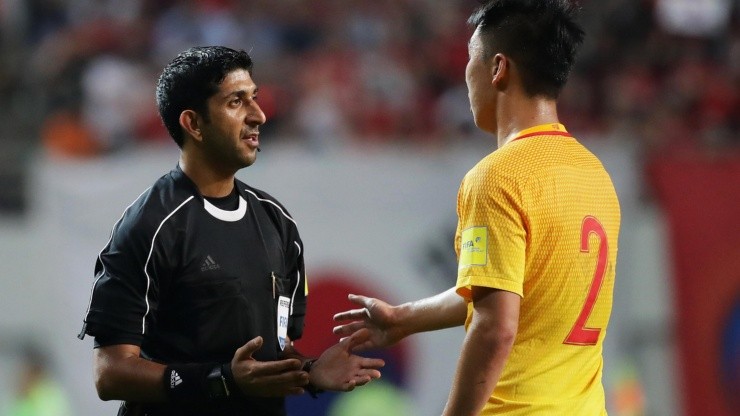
201, 288
536, 240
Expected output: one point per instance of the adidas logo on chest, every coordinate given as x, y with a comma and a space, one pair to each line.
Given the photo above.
209, 264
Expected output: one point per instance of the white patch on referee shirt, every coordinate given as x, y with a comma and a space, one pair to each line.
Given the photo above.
282, 320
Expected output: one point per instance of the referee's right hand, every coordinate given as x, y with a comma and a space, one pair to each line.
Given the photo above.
266, 378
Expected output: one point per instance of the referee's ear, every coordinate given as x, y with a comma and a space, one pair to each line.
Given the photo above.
190, 122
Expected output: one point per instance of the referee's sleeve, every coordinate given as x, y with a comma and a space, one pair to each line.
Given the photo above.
125, 287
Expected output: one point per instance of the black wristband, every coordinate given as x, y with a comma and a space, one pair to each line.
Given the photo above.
190, 383
229, 380
310, 388
215, 384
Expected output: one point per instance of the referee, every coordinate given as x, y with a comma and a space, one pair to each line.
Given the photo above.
201, 287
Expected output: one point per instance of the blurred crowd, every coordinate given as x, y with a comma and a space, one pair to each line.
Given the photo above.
79, 74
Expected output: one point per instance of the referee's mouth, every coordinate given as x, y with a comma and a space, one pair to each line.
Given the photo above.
252, 139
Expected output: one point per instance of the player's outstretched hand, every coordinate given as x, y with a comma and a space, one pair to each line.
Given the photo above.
339, 370
266, 379
375, 315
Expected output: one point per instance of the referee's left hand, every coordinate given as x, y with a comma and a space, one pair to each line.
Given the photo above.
339, 370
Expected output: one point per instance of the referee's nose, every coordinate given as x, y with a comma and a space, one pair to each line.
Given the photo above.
255, 115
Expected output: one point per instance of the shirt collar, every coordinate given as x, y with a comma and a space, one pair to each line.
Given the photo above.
550, 129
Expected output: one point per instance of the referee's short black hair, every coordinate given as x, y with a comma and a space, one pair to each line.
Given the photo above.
540, 36
191, 78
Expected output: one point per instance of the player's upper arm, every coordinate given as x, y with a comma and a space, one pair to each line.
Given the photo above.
497, 309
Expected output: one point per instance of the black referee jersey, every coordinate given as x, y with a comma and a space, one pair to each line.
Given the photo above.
190, 283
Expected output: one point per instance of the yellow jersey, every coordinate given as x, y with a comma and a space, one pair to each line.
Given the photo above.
539, 217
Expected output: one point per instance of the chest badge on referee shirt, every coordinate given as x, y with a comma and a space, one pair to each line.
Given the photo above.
282, 320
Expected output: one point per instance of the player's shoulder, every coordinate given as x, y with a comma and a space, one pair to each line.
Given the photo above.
497, 167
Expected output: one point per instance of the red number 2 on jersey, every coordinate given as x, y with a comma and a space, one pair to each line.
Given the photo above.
580, 334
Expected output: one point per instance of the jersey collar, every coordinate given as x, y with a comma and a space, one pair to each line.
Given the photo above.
550, 129
216, 212
223, 215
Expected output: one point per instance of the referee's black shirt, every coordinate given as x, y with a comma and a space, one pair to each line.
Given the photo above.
191, 283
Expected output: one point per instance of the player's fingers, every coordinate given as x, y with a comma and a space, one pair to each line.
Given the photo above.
367, 303
352, 315
360, 300
348, 329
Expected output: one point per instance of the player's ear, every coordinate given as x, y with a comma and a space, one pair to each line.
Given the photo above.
500, 67
190, 123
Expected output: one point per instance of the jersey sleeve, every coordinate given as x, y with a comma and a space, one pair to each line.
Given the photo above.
490, 240
124, 290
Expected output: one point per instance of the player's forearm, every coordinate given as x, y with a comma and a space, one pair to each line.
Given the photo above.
444, 310
482, 360
128, 378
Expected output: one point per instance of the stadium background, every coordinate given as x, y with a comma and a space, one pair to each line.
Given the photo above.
369, 134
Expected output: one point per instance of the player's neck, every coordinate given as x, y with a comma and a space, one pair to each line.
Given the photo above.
523, 114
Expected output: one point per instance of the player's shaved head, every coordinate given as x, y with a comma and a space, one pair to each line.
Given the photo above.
541, 36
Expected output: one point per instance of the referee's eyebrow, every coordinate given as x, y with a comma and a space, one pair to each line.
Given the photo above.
243, 93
